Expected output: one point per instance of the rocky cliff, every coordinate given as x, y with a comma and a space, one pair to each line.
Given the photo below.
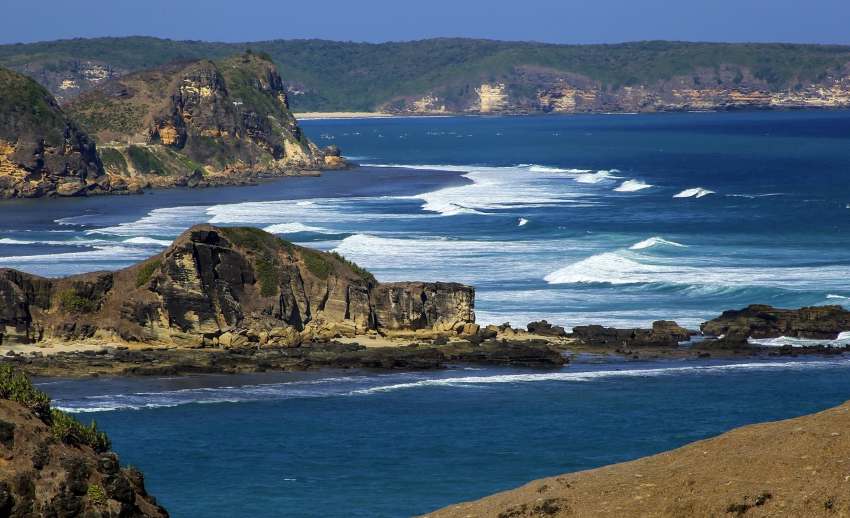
55, 466
199, 122
42, 151
788, 468
228, 287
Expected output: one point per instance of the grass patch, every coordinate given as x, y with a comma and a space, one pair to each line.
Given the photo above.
268, 275
145, 161
96, 495
264, 247
16, 386
113, 160
146, 271
316, 263
71, 301
67, 429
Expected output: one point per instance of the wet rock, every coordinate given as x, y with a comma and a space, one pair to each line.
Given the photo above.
762, 321
544, 328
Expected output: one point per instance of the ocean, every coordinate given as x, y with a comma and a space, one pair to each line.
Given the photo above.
611, 219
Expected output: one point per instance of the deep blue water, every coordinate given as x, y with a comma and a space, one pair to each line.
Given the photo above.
355, 444
607, 219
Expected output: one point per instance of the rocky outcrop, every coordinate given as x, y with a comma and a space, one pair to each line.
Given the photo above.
54, 466
199, 123
228, 287
761, 321
787, 468
664, 333
43, 152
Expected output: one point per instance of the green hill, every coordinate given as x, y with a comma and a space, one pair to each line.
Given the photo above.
431, 75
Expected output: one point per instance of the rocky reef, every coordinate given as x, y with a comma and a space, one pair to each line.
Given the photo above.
788, 468
228, 287
199, 123
762, 321
55, 466
42, 151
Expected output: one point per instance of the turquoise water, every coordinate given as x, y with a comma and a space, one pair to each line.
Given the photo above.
617, 220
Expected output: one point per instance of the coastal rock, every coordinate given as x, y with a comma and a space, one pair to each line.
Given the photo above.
544, 328
762, 321
228, 286
664, 333
42, 151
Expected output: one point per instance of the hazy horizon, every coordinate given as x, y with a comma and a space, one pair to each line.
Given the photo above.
378, 21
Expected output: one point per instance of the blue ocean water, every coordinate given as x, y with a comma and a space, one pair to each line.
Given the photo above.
391, 445
613, 219
618, 219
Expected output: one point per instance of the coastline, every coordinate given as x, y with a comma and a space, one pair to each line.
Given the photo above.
306, 116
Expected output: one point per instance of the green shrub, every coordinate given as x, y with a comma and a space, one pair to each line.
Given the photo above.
145, 161
267, 274
96, 495
71, 301
146, 271
113, 160
316, 263
16, 386
67, 429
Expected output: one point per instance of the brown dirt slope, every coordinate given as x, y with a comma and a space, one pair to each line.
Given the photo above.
798, 467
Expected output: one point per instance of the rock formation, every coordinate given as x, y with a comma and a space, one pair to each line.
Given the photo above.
761, 321
228, 287
54, 466
788, 468
664, 333
43, 152
199, 123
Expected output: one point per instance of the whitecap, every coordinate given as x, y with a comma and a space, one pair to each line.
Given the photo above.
694, 192
294, 228
597, 177
632, 186
143, 240
522, 222
655, 241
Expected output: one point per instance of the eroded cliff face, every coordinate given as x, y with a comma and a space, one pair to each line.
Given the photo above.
532, 89
228, 287
43, 152
198, 123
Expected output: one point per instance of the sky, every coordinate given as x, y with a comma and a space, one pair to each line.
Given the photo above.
556, 21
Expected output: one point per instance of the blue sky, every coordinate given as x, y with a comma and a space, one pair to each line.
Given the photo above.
560, 21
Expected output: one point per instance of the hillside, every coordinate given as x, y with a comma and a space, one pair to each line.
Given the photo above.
796, 467
203, 121
42, 151
481, 76
55, 466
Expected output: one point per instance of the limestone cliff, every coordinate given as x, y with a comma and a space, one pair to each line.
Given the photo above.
227, 287
43, 152
54, 466
199, 122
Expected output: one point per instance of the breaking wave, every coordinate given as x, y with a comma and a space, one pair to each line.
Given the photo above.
632, 186
655, 241
694, 192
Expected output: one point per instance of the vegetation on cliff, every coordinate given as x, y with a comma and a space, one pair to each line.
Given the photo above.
53, 465
331, 76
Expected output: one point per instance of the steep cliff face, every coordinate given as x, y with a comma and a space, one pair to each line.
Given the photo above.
42, 152
229, 287
199, 122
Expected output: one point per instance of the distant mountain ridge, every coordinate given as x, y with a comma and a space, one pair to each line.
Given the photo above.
481, 76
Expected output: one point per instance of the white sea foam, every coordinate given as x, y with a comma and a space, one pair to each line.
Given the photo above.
655, 241
522, 222
294, 228
632, 186
375, 385
597, 177
624, 267
754, 196
694, 192
143, 240
834, 296
841, 340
